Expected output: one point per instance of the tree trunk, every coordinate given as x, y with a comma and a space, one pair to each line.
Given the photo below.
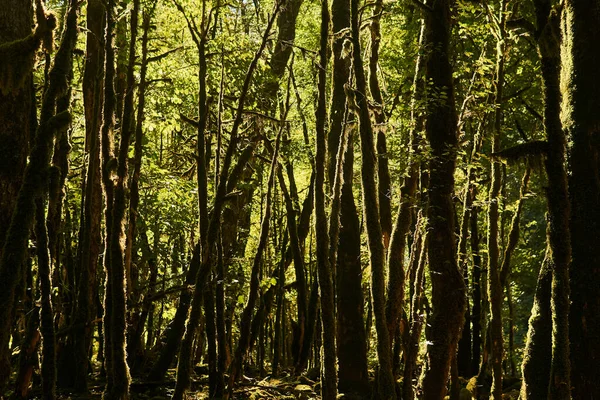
476, 314
17, 105
411, 345
279, 318
383, 171
324, 268
386, 384
108, 161
116, 310
227, 183
28, 356
134, 343
537, 360
580, 116
73, 355
350, 329
514, 232
34, 181
448, 287
246, 319
176, 329
48, 370
395, 261
494, 286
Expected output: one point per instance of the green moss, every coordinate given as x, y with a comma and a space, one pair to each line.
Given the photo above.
17, 57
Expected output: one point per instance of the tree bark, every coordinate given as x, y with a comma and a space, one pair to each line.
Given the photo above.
253, 295
73, 355
476, 314
350, 329
395, 261
227, 183
383, 172
134, 343
48, 369
34, 181
17, 105
324, 268
411, 345
537, 360
448, 287
580, 118
386, 384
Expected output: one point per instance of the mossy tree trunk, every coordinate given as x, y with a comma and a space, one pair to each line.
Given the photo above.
536, 357
253, 295
558, 233
73, 352
134, 342
227, 183
467, 354
404, 218
386, 388
379, 118
448, 288
15, 122
108, 166
286, 23
476, 314
494, 286
549, 323
350, 330
411, 344
581, 118
116, 311
48, 369
324, 266
34, 181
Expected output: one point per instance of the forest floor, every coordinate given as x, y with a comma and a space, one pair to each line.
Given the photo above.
289, 387
286, 386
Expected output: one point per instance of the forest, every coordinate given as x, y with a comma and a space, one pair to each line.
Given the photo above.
301, 199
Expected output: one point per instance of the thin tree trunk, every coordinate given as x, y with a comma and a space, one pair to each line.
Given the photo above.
324, 266
227, 183
211, 336
116, 273
74, 354
511, 333
279, 319
28, 355
107, 161
222, 349
48, 370
246, 319
134, 343
537, 360
476, 314
383, 171
494, 286
411, 346
395, 261
514, 232
386, 384
134, 196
